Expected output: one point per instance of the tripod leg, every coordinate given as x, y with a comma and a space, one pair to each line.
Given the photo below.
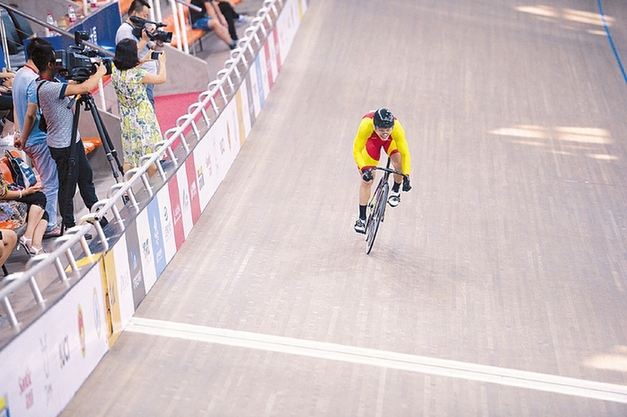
112, 155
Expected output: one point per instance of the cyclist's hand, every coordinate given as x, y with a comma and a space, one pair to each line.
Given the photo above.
406, 184
366, 174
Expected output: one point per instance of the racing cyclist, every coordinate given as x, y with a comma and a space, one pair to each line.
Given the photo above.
380, 130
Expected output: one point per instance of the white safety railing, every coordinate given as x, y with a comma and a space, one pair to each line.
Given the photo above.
209, 106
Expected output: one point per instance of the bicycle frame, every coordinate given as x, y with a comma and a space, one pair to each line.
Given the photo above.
376, 205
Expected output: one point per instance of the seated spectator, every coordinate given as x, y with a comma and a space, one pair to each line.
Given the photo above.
37, 218
140, 128
211, 18
232, 17
6, 102
8, 240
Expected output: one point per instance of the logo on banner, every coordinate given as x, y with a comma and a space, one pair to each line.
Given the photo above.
97, 316
201, 178
81, 330
4, 409
64, 351
43, 343
167, 228
137, 280
134, 261
156, 235
25, 383
209, 165
185, 198
192, 189
228, 135
146, 247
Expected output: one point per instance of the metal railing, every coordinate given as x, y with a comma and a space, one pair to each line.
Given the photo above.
209, 106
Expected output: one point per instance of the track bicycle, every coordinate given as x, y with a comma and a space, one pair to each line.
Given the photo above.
377, 203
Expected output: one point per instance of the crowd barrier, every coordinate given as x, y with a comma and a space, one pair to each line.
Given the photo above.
49, 358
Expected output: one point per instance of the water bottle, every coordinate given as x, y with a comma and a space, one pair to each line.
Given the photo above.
50, 21
70, 14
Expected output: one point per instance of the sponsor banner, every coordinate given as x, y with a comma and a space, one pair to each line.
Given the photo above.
259, 68
275, 53
226, 130
288, 24
48, 362
192, 183
156, 237
146, 257
135, 264
253, 88
206, 157
268, 60
120, 268
243, 115
167, 224
177, 212
185, 202
111, 301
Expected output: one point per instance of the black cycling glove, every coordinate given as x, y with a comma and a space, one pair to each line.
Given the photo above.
406, 184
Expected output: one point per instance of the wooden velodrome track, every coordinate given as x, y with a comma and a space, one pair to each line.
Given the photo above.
497, 287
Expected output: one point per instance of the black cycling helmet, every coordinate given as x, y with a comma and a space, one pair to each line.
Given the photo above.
383, 119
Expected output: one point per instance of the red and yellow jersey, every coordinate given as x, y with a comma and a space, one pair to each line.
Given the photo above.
367, 145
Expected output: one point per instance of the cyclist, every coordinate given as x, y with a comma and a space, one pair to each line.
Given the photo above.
380, 129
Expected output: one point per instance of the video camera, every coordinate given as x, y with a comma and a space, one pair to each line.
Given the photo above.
77, 62
156, 35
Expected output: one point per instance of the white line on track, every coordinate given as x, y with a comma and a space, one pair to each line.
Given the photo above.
392, 360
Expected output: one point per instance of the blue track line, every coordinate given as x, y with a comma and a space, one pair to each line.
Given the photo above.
609, 36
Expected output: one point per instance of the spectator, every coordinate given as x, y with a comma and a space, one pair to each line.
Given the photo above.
211, 18
140, 128
37, 218
31, 139
72, 164
140, 8
6, 100
232, 17
8, 240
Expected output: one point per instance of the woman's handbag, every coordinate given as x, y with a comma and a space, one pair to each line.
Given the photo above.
23, 175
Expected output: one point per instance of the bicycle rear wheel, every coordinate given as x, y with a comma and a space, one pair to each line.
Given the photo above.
376, 215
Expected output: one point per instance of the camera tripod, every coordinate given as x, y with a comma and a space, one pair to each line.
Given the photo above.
112, 155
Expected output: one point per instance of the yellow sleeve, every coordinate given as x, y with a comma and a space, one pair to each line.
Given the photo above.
401, 144
366, 128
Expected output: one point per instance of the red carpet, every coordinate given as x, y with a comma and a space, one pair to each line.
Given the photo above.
169, 108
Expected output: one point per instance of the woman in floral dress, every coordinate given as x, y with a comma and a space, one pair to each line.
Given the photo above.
140, 128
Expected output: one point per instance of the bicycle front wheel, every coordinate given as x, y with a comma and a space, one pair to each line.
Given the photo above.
376, 216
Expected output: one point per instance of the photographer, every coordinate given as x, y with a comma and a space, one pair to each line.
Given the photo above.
31, 139
140, 128
57, 109
140, 9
